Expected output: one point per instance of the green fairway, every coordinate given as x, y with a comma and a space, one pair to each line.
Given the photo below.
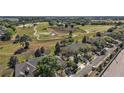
42, 27
94, 28
26, 30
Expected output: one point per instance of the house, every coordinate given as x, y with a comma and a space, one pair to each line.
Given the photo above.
82, 58
26, 69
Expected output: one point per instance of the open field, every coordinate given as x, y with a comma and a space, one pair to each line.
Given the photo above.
94, 28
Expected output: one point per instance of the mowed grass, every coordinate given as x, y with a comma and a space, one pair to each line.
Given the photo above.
94, 28
4, 59
90, 30
26, 30
45, 33
42, 27
6, 51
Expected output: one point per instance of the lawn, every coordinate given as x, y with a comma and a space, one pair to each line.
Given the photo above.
26, 30
6, 51
90, 30
94, 28
42, 27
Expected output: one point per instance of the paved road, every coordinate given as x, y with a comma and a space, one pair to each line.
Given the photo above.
116, 69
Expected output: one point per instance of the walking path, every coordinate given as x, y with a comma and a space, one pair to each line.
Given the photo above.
36, 34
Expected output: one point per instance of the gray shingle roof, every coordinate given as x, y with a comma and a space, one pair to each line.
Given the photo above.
29, 66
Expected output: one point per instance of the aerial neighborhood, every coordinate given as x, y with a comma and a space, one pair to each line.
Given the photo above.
61, 46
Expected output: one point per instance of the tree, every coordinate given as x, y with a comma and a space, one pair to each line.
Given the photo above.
82, 24
25, 38
34, 25
98, 34
121, 45
66, 25
70, 40
17, 39
13, 27
24, 41
76, 58
19, 51
72, 26
88, 55
48, 66
26, 45
116, 34
42, 50
38, 53
13, 61
70, 34
119, 23
84, 40
71, 67
52, 22
103, 52
100, 43
57, 49
110, 30
8, 33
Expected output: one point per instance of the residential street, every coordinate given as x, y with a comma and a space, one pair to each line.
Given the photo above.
95, 62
